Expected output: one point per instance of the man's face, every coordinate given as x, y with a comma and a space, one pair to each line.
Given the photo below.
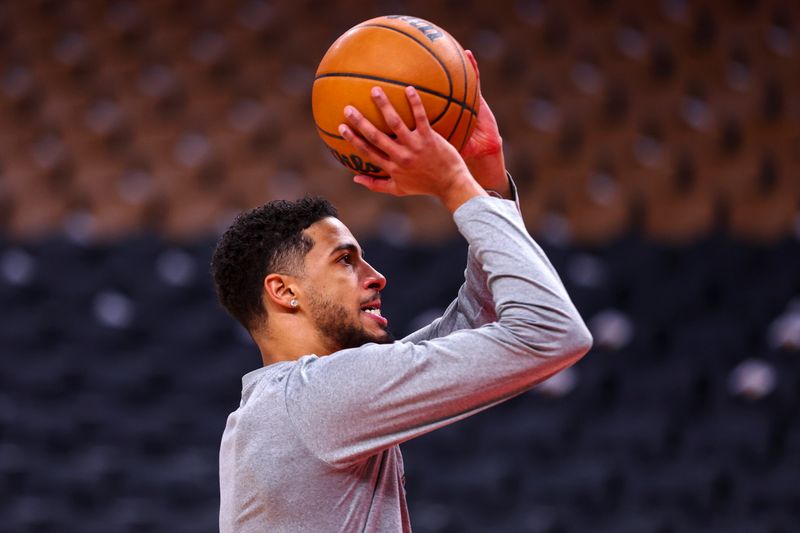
342, 289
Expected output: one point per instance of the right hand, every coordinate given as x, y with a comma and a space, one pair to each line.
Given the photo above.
483, 152
418, 160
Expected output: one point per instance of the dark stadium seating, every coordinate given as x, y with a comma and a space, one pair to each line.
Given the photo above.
117, 374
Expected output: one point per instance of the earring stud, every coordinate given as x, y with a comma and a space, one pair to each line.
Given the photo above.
293, 303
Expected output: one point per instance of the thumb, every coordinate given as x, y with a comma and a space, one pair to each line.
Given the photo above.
382, 185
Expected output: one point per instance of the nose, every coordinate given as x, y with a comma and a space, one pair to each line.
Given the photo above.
373, 279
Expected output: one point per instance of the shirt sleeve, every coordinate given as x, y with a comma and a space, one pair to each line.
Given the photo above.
357, 402
474, 305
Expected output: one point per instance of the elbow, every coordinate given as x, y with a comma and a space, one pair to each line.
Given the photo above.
580, 340
567, 339
572, 342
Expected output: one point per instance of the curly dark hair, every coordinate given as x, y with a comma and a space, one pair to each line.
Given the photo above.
265, 240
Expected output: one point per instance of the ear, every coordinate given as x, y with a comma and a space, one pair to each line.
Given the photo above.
280, 290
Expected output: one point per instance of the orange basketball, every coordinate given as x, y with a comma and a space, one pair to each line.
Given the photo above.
393, 52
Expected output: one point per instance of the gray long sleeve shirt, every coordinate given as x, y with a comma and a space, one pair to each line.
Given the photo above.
313, 445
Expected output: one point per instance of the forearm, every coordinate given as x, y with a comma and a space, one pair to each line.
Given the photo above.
528, 295
473, 307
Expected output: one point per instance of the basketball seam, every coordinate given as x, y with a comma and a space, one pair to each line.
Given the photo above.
432, 53
474, 114
329, 134
464, 66
443, 96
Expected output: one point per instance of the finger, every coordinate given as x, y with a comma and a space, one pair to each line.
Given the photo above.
367, 130
420, 116
474, 63
362, 146
382, 185
389, 113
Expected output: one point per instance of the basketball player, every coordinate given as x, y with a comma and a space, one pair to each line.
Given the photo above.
313, 445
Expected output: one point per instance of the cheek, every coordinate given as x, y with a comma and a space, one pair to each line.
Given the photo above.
337, 287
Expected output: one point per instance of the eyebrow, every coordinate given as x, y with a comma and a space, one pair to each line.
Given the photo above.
348, 246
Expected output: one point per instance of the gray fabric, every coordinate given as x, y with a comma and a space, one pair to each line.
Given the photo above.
313, 445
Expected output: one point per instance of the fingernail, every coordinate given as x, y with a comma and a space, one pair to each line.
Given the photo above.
376, 91
410, 90
342, 129
349, 111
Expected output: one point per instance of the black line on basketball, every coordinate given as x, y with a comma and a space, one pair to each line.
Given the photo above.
422, 44
474, 101
463, 66
443, 96
432, 53
335, 136
329, 134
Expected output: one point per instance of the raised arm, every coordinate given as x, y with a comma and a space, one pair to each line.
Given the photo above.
357, 402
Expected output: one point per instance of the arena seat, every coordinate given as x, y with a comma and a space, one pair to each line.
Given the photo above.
655, 149
98, 340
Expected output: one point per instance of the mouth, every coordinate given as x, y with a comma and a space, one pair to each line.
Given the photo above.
373, 310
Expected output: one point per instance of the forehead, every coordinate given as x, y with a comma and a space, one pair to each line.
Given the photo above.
327, 234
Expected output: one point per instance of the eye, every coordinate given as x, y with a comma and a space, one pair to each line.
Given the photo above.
346, 259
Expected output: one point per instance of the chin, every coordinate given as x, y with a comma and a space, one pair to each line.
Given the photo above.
360, 338
384, 338
343, 331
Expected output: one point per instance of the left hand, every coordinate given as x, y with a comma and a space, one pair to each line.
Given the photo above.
418, 160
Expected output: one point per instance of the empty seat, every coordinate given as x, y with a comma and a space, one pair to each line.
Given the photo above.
655, 150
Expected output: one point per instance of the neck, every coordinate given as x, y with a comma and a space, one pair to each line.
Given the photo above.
288, 342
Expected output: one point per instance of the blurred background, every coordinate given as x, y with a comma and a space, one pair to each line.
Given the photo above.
656, 146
